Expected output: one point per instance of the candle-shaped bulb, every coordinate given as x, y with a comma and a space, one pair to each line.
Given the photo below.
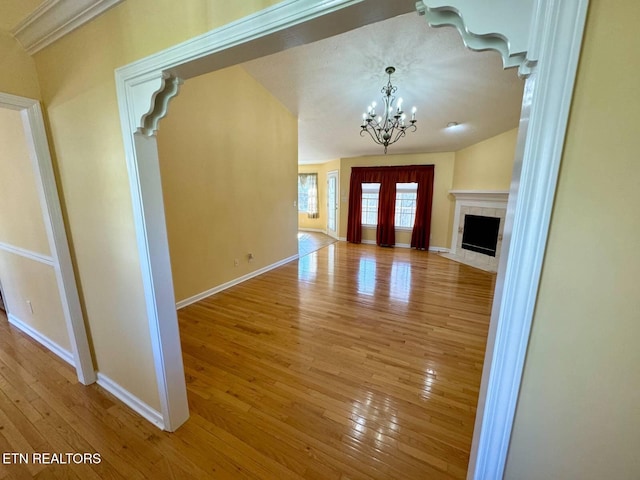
413, 113
400, 105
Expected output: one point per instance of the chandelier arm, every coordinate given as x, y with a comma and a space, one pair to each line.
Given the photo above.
399, 134
373, 137
403, 132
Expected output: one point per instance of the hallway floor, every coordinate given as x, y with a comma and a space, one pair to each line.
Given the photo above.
312, 241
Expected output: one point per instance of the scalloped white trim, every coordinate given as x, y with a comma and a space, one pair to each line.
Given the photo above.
449, 16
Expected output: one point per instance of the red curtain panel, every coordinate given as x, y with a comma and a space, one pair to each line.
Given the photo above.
387, 177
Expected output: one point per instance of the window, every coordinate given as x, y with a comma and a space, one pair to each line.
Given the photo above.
406, 195
370, 193
405, 210
308, 194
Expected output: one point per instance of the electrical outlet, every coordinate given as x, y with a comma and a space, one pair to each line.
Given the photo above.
236, 262
250, 256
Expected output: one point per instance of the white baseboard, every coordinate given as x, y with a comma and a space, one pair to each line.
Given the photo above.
318, 230
131, 400
105, 382
40, 338
406, 245
373, 242
196, 298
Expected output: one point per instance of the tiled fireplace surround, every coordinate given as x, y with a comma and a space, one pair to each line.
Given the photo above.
488, 203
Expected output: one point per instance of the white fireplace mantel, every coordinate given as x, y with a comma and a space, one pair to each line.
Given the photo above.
483, 196
487, 202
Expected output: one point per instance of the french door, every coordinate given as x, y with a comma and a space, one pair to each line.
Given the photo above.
332, 203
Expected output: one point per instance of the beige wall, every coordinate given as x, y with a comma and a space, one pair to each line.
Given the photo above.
21, 220
76, 76
442, 182
486, 165
22, 227
17, 69
24, 279
229, 186
578, 415
320, 223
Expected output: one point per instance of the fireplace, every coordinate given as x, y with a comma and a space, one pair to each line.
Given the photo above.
480, 234
478, 226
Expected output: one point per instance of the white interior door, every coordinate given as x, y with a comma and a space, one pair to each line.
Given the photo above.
332, 203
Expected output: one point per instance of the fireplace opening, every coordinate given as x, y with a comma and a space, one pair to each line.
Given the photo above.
480, 234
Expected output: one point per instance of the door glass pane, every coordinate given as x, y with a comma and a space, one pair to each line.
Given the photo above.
331, 204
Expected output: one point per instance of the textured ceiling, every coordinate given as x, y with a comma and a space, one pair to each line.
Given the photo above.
328, 85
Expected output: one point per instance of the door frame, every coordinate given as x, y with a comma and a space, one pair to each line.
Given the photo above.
336, 174
2, 297
551, 34
60, 258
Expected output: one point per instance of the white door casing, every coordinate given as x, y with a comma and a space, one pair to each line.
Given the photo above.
56, 234
542, 38
333, 194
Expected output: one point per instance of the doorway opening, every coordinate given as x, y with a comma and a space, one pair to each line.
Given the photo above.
555, 46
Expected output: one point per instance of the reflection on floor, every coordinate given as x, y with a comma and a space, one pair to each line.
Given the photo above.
312, 241
353, 362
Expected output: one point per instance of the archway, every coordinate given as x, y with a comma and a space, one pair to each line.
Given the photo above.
541, 38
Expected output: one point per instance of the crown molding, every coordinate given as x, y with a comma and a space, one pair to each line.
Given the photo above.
54, 19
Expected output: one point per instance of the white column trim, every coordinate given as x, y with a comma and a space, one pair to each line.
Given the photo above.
547, 98
56, 234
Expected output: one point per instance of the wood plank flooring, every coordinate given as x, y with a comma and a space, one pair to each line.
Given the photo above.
355, 362
309, 242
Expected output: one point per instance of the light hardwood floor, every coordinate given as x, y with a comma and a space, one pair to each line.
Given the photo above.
309, 242
354, 362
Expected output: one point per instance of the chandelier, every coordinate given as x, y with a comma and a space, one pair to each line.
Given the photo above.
390, 125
